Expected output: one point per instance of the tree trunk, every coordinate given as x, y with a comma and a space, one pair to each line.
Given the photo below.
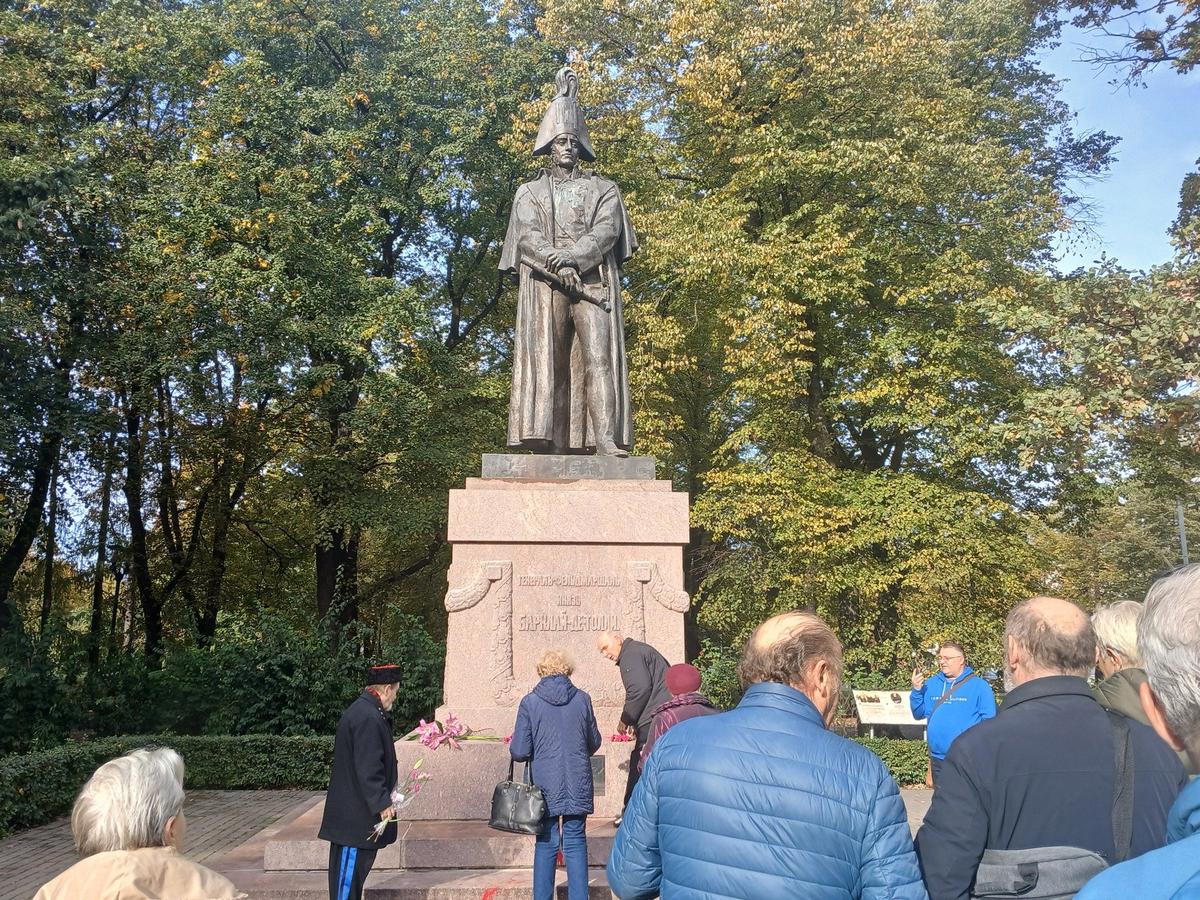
227, 500
337, 576
139, 553
101, 554
28, 526
51, 548
113, 644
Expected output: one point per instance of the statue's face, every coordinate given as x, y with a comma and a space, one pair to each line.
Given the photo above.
564, 150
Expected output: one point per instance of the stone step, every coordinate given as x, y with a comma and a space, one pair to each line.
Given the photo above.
244, 866
424, 845
456, 884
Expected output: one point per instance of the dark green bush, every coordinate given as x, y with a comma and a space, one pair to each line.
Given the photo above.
37, 787
906, 760
266, 678
37, 707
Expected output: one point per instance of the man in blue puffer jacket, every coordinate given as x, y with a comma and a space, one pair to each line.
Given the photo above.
762, 801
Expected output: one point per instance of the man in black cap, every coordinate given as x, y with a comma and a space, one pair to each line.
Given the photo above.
361, 785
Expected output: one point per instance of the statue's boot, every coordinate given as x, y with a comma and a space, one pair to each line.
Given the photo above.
609, 448
602, 401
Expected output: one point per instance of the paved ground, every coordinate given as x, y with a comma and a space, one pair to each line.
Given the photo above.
217, 821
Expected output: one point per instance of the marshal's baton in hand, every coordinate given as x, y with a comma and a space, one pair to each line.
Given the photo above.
581, 293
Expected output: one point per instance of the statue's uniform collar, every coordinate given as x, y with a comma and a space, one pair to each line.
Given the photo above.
574, 174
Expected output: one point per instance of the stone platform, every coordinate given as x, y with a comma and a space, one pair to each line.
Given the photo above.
424, 845
443, 861
552, 467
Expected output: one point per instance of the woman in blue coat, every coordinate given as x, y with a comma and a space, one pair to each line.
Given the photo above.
556, 731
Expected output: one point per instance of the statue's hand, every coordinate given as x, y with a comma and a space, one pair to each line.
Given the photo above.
570, 277
557, 260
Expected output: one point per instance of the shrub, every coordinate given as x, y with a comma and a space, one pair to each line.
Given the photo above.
270, 678
37, 787
718, 666
906, 760
37, 708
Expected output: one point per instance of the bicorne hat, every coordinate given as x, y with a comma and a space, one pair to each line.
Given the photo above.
564, 116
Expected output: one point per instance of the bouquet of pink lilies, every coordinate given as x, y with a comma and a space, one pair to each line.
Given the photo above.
450, 733
403, 795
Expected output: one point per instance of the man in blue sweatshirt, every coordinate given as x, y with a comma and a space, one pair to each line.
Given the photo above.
953, 700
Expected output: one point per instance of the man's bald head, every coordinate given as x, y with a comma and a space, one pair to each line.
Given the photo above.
785, 648
609, 644
1049, 636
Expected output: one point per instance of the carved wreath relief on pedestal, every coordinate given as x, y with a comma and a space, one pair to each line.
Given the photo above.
493, 578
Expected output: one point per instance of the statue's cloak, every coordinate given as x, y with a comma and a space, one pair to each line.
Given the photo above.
608, 242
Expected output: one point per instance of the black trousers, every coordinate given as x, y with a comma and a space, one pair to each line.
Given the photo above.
348, 868
634, 757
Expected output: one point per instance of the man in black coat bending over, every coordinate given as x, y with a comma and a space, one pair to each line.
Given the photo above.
361, 785
643, 673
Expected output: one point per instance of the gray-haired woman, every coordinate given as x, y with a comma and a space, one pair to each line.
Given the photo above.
128, 826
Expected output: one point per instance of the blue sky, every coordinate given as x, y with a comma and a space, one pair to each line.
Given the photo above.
1159, 126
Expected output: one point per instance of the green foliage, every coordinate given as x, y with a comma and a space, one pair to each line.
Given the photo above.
36, 706
906, 760
37, 787
718, 667
270, 680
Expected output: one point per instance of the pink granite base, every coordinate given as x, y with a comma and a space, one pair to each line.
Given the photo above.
425, 845
549, 565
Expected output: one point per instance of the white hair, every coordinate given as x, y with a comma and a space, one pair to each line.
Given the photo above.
1116, 630
1169, 636
127, 802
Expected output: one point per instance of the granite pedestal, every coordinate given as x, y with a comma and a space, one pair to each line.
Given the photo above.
546, 555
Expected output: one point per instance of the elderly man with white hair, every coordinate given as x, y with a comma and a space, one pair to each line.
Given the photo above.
128, 826
1120, 664
1118, 659
1169, 637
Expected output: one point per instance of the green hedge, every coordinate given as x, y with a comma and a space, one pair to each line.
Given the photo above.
906, 760
37, 787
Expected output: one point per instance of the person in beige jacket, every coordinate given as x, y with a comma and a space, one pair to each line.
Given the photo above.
129, 827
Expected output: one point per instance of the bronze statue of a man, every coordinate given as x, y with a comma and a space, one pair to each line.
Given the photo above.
567, 237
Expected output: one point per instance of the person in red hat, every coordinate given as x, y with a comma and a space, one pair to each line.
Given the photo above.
361, 785
683, 681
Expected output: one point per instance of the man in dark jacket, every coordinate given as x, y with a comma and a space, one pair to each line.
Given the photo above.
764, 801
361, 785
683, 681
1042, 773
643, 670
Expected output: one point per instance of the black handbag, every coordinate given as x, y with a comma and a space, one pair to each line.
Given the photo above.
518, 806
